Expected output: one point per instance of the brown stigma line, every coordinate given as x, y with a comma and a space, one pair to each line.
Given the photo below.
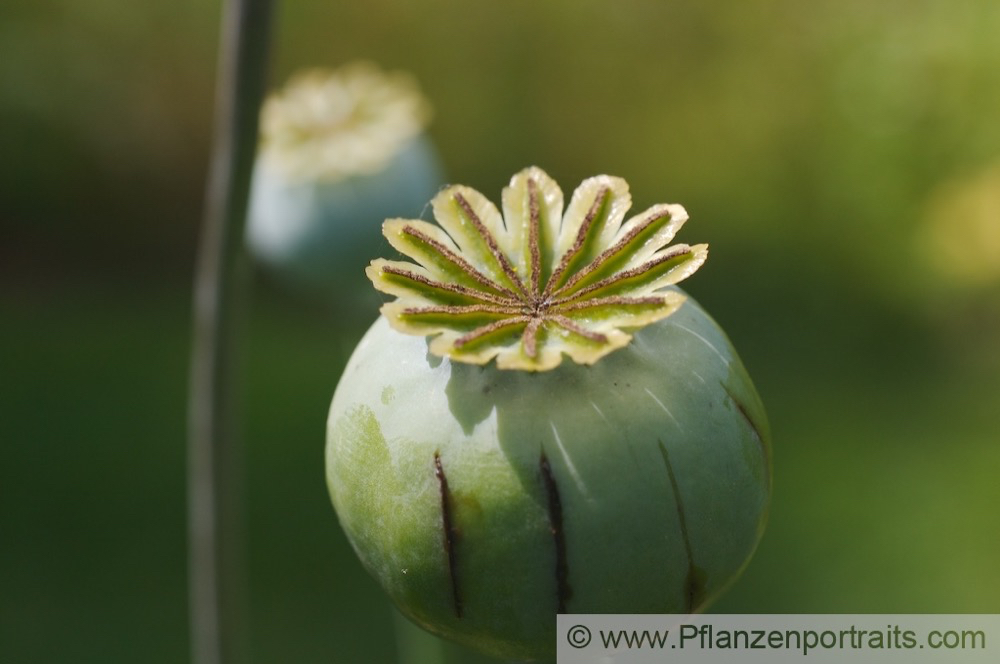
491, 242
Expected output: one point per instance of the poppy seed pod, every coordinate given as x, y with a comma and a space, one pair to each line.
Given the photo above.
489, 485
338, 150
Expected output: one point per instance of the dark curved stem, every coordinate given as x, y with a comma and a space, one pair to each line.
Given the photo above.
214, 468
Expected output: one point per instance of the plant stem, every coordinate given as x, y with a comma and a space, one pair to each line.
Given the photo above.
414, 645
214, 470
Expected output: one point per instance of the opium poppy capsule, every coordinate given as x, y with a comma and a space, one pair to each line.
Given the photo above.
340, 150
543, 423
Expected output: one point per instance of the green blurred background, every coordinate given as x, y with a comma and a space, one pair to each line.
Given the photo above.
840, 156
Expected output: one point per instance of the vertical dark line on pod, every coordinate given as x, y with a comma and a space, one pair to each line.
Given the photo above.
450, 534
563, 591
753, 427
694, 583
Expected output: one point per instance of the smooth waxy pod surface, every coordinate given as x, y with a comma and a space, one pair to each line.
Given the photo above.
486, 501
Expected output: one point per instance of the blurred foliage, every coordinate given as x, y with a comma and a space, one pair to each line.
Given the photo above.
814, 144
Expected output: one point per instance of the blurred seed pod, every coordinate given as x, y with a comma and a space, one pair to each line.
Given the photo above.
340, 151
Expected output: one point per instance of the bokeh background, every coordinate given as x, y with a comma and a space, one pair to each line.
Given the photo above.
842, 158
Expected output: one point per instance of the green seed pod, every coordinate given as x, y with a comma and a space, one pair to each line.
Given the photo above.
339, 150
487, 500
